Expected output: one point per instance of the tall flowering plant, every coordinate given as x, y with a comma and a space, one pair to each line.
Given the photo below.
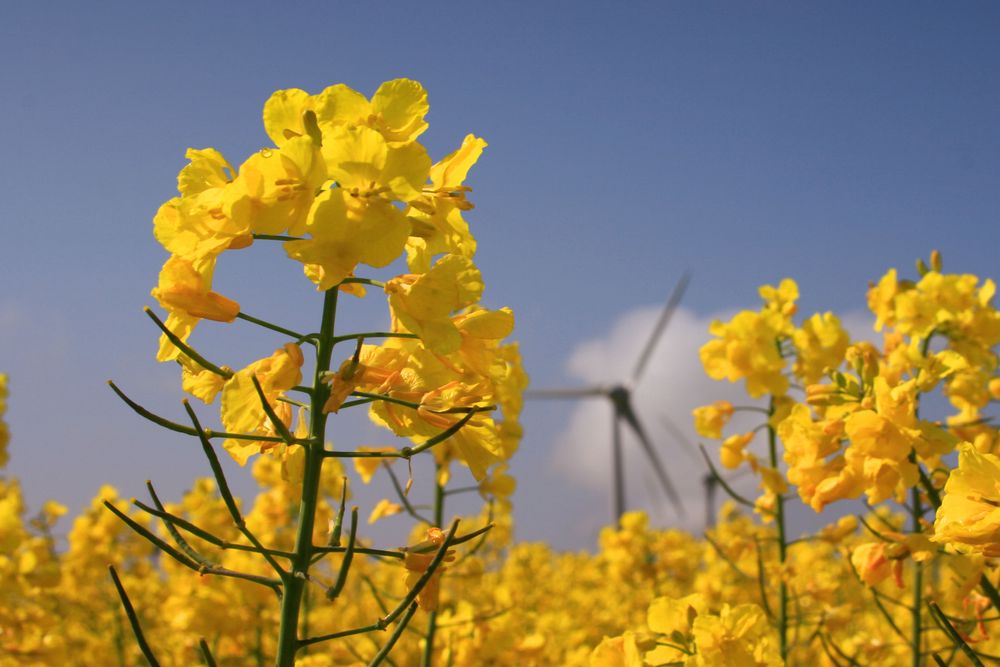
844, 421
345, 188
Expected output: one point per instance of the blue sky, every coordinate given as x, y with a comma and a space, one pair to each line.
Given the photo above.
628, 142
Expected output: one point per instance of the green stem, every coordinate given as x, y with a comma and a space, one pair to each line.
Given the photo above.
373, 334
305, 617
918, 583
722, 482
275, 237
779, 519
274, 327
916, 612
383, 654
407, 505
345, 565
439, 495
133, 619
186, 349
295, 580
119, 636
417, 406
206, 653
361, 281
258, 647
952, 633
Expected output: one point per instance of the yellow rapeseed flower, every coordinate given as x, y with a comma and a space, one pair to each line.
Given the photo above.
969, 516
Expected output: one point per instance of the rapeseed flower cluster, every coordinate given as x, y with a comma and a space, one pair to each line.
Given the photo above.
346, 189
844, 421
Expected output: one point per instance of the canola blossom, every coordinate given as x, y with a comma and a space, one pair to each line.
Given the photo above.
349, 195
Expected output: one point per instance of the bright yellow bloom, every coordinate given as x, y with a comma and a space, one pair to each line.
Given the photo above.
242, 411
406, 370
423, 304
276, 187
396, 110
617, 652
820, 344
881, 297
780, 300
185, 291
209, 216
873, 564
994, 388
954, 305
807, 446
739, 636
358, 221
969, 516
345, 232
668, 615
498, 484
438, 226
746, 347
382, 509
731, 455
199, 382
416, 562
285, 114
477, 444
363, 164
709, 420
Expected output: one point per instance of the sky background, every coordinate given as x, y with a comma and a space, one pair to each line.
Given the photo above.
628, 142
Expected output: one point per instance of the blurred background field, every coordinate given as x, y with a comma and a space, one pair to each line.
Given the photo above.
627, 144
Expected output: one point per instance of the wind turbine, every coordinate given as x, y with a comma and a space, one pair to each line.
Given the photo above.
620, 396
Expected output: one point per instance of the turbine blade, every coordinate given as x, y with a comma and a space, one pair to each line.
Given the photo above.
584, 392
661, 324
689, 447
628, 414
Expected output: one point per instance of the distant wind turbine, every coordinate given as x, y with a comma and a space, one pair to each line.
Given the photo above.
620, 396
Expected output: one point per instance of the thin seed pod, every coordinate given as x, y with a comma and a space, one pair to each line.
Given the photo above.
725, 485
178, 538
206, 654
279, 425
133, 619
181, 558
407, 505
441, 437
187, 430
274, 327
187, 349
338, 523
227, 495
953, 634
394, 637
345, 565
424, 577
